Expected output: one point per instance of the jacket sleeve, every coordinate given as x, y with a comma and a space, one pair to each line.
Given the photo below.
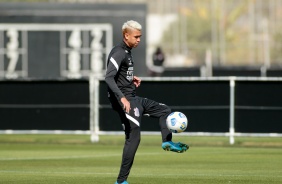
114, 63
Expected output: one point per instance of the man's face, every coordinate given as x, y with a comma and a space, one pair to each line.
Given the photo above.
132, 37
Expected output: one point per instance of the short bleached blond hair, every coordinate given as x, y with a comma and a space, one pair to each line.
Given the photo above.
131, 24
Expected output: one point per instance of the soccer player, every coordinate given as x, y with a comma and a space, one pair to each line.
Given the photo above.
122, 86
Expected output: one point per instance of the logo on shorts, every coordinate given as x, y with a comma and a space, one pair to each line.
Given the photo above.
136, 112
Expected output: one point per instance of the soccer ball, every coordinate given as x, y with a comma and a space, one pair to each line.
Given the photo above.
176, 122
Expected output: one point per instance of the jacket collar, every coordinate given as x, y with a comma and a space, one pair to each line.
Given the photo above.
123, 44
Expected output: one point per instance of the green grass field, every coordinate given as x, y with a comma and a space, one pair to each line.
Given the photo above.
73, 159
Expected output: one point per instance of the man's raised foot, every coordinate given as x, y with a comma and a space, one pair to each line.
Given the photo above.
175, 147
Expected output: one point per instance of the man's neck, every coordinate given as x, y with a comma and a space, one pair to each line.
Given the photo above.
124, 40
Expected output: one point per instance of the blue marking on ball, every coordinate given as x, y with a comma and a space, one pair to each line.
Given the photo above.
173, 121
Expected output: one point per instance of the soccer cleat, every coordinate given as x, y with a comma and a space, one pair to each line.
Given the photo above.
184, 147
175, 147
124, 182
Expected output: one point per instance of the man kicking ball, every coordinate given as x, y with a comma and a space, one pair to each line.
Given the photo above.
122, 86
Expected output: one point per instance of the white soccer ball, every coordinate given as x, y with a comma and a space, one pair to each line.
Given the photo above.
176, 122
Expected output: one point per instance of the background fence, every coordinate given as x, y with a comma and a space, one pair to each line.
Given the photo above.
225, 106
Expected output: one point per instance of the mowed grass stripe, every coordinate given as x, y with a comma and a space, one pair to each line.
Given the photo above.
139, 174
55, 173
55, 159
71, 157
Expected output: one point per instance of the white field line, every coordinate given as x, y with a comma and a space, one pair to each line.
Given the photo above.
71, 157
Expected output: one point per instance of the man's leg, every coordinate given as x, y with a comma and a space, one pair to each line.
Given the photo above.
157, 110
132, 140
166, 134
161, 111
130, 147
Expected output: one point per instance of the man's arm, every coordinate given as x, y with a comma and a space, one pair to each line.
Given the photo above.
112, 69
126, 104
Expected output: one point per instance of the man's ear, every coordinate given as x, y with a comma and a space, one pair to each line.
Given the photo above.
126, 36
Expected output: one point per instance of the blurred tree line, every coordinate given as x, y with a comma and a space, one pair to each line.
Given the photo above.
238, 32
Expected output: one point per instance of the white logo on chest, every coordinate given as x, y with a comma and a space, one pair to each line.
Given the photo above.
129, 74
129, 61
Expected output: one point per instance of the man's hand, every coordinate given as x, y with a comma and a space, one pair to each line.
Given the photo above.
136, 81
126, 104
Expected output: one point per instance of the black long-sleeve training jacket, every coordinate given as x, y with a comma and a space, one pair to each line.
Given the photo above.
119, 74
